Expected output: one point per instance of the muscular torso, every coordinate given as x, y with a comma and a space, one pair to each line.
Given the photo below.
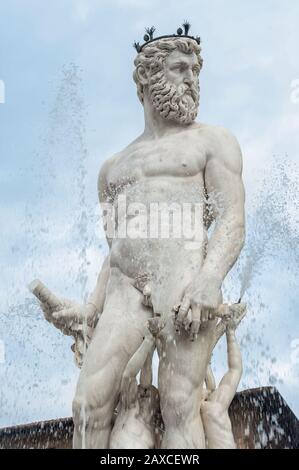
169, 170
217, 426
134, 427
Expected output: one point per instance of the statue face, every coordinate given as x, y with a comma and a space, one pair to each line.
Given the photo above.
182, 69
174, 91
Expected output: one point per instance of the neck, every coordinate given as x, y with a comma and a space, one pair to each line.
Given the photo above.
155, 126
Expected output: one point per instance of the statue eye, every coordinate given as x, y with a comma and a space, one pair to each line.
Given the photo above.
179, 67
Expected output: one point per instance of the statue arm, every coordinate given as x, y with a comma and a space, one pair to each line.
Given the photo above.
129, 383
234, 356
236, 314
210, 379
229, 383
138, 359
223, 181
97, 298
224, 187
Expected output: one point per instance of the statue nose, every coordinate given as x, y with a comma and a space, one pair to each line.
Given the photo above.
188, 79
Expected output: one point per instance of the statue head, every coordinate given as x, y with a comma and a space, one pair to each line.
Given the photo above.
167, 72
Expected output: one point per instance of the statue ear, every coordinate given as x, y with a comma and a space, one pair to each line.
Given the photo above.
142, 75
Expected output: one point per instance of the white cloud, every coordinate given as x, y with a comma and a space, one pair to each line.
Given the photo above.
82, 10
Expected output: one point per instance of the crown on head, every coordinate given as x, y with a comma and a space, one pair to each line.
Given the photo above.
149, 36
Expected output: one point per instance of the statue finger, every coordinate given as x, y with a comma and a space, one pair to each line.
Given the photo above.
183, 312
65, 303
188, 320
48, 314
223, 311
194, 330
176, 308
67, 316
204, 315
196, 321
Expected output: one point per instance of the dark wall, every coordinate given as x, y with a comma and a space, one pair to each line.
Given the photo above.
260, 419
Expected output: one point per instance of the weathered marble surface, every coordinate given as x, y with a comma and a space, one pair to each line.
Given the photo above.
175, 162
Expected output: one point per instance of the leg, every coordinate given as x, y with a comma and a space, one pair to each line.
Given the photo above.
182, 372
118, 334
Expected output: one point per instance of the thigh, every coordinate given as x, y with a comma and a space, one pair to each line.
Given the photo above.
183, 363
182, 359
119, 331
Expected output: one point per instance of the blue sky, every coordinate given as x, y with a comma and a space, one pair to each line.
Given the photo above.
70, 104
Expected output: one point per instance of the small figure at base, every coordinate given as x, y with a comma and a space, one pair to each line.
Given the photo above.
216, 401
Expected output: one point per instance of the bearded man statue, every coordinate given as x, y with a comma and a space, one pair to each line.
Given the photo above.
175, 101
175, 161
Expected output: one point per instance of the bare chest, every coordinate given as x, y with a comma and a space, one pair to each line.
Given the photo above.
181, 157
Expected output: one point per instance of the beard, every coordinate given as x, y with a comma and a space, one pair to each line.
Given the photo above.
179, 104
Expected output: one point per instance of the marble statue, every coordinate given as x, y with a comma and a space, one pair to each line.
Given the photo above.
173, 207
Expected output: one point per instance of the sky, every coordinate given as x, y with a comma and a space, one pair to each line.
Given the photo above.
70, 103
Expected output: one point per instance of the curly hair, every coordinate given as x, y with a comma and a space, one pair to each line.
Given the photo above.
153, 56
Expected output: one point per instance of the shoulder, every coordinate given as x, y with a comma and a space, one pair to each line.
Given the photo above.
107, 165
102, 184
112, 161
222, 147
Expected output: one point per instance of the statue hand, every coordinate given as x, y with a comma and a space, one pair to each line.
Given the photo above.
201, 298
70, 316
236, 312
155, 326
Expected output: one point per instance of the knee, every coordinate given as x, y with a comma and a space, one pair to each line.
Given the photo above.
95, 399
